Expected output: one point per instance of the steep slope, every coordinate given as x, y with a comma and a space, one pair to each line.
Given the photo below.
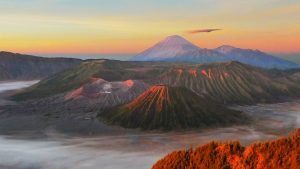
283, 153
230, 83
24, 67
170, 47
163, 107
177, 49
255, 58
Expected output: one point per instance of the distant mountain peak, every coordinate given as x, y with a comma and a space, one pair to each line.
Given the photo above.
225, 49
175, 41
169, 47
172, 37
177, 49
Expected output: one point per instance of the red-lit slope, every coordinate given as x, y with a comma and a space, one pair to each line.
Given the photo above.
231, 83
283, 153
163, 107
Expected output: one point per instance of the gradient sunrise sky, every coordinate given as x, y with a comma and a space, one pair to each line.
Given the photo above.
130, 26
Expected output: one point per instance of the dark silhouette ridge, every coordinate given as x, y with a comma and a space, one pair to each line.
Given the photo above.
14, 66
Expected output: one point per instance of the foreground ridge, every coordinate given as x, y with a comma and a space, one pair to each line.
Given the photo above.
283, 153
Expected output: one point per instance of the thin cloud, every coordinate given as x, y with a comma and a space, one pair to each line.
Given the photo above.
202, 31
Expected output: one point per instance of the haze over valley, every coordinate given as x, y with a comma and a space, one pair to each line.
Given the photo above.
89, 112
20, 151
146, 84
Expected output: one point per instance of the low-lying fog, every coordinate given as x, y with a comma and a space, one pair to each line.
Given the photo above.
136, 150
5, 86
12, 85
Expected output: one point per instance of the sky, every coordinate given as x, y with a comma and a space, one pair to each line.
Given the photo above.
130, 26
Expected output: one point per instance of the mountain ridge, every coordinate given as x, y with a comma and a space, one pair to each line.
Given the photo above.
177, 49
230, 82
227, 83
15, 66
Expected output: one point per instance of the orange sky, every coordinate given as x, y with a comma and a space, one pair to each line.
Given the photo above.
124, 26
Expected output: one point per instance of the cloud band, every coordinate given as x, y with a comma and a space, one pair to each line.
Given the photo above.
202, 31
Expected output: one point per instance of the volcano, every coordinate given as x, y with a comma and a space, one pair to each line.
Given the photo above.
170, 47
167, 108
177, 49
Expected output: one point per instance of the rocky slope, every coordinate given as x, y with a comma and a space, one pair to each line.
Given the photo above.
177, 49
25, 67
225, 83
283, 153
101, 94
231, 82
163, 107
